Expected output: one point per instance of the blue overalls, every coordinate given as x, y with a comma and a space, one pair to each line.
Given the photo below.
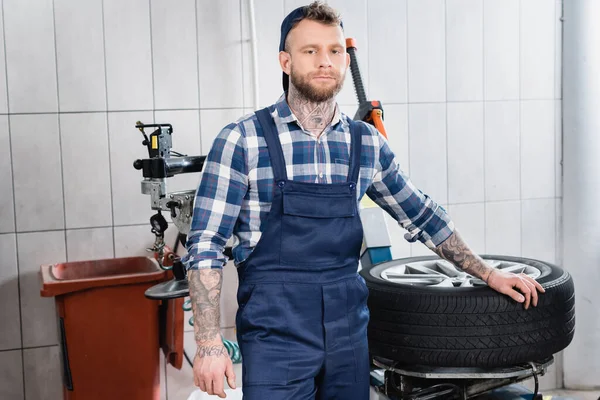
302, 317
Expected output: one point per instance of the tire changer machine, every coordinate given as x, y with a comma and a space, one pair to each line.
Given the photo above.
389, 379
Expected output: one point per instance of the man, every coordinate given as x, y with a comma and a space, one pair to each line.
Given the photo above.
286, 181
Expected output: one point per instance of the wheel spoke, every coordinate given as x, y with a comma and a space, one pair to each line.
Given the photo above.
441, 273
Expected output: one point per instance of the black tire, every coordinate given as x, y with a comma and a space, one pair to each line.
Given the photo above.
468, 327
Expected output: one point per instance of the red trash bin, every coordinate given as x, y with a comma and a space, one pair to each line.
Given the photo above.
109, 332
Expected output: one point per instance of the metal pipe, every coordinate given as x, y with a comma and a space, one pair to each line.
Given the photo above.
254, 50
581, 182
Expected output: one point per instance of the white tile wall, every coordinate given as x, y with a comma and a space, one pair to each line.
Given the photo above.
38, 313
396, 125
3, 88
132, 241
219, 53
269, 71
388, 53
426, 51
11, 375
558, 5
558, 148
174, 54
502, 151
90, 244
128, 59
10, 335
470, 221
464, 49
86, 166
290, 5
37, 172
30, 56
537, 49
538, 229
503, 228
475, 144
80, 55
537, 149
465, 152
42, 373
428, 161
501, 49
7, 204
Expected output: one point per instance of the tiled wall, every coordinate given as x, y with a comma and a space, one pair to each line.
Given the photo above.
471, 91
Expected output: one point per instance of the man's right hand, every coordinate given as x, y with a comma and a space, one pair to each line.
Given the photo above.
211, 363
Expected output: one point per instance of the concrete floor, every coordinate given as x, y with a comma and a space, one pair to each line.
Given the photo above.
573, 394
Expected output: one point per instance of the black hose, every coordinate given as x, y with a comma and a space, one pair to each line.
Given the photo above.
356, 77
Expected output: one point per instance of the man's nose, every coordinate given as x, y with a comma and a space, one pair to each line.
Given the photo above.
324, 59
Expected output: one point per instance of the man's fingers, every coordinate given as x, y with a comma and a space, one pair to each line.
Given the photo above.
202, 386
209, 386
537, 285
218, 386
513, 294
532, 290
230, 375
522, 286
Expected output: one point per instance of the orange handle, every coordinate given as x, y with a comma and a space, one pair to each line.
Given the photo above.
377, 116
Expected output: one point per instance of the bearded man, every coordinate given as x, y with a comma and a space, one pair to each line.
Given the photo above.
287, 181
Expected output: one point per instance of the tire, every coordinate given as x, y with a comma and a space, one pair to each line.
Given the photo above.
468, 326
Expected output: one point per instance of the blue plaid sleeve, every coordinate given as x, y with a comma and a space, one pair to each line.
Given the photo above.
223, 185
393, 191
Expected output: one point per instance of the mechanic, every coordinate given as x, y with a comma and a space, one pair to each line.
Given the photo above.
286, 181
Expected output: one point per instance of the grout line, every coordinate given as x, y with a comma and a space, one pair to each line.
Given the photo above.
112, 203
446, 102
243, 59
30, 347
12, 169
60, 146
407, 99
520, 129
485, 236
368, 52
76, 229
410, 250
198, 77
152, 61
249, 108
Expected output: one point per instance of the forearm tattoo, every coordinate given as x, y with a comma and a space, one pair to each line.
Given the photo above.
455, 250
205, 293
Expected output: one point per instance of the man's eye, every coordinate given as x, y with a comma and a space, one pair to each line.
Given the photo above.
310, 52
336, 51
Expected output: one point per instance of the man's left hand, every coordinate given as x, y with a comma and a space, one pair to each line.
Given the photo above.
520, 287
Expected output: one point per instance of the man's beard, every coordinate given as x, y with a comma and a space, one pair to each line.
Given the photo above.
313, 93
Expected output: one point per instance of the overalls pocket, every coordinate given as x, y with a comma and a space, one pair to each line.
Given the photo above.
358, 316
263, 336
311, 227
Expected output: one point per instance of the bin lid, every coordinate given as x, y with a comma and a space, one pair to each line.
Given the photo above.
63, 278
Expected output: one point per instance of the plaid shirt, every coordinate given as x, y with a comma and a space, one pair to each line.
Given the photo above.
236, 188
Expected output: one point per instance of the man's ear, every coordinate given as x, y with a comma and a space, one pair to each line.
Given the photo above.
285, 60
347, 60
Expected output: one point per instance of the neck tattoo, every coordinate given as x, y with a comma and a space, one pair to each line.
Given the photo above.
313, 116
